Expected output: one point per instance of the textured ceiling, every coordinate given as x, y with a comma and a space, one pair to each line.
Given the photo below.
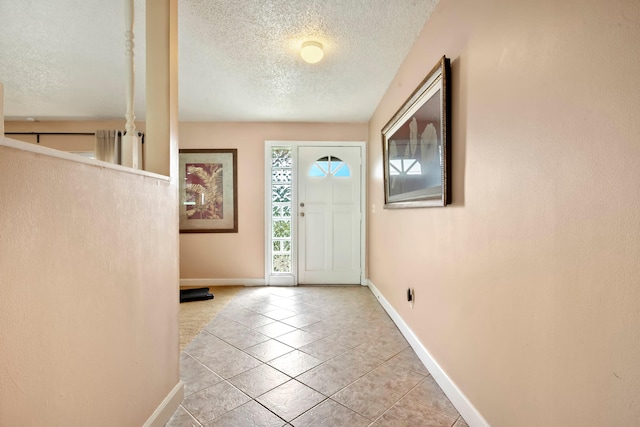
238, 59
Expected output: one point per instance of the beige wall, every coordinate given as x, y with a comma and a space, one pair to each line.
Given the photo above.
527, 289
220, 255
241, 255
89, 305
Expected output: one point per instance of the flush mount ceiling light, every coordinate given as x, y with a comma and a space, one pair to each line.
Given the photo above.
311, 52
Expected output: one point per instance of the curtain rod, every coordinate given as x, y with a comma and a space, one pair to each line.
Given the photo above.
50, 133
37, 134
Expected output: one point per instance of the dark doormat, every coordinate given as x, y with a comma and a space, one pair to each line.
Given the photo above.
199, 294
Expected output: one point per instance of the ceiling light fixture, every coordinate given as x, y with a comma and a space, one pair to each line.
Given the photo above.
311, 52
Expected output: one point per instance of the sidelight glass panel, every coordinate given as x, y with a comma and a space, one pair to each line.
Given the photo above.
281, 208
281, 176
281, 228
281, 158
282, 263
281, 193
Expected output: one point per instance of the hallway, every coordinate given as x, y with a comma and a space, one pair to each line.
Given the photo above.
307, 356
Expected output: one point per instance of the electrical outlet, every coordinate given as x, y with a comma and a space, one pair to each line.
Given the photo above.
410, 296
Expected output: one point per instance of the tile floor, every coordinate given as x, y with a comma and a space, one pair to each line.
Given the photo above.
307, 356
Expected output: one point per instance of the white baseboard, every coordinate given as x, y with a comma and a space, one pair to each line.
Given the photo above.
192, 283
163, 413
455, 395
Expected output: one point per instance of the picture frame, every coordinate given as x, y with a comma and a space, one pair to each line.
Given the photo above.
416, 143
208, 190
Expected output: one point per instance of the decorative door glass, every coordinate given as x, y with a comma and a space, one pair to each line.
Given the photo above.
281, 208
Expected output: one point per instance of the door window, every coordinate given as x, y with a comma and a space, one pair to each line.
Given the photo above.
330, 166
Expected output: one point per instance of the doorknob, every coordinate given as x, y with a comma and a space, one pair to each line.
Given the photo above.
301, 213
302, 205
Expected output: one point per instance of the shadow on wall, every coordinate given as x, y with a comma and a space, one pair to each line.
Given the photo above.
458, 130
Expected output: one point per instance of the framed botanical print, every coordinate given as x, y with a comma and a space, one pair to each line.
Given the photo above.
208, 191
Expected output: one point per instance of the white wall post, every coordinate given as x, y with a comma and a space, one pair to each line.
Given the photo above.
1, 110
161, 139
130, 142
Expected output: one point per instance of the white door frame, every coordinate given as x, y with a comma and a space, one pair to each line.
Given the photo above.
292, 278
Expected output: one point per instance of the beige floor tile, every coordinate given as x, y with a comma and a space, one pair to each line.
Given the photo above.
223, 327
350, 338
290, 400
300, 308
354, 353
275, 329
384, 346
214, 401
359, 364
407, 414
330, 413
236, 313
280, 313
460, 423
202, 344
182, 418
235, 334
338, 372
300, 320
298, 338
295, 363
261, 307
268, 350
286, 292
377, 391
255, 320
226, 360
408, 360
259, 380
284, 302
429, 394
324, 349
246, 339
195, 375
251, 414
323, 328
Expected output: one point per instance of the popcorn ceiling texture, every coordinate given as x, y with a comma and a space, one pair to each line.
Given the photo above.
238, 60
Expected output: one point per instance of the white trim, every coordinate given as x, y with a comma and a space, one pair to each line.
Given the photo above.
165, 410
469, 412
267, 210
192, 283
269, 144
50, 152
282, 280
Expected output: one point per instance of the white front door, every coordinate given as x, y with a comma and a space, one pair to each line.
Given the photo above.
329, 200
